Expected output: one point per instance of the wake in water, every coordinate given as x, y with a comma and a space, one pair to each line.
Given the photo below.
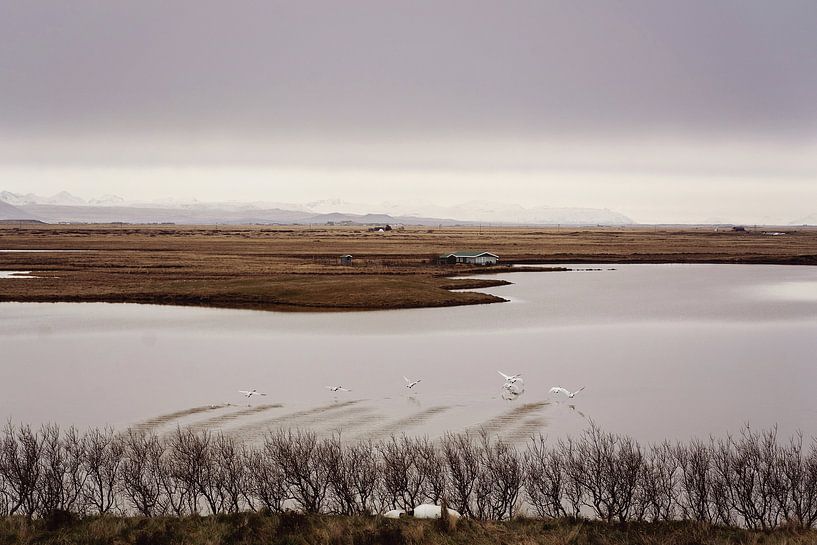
398, 426
303, 418
509, 420
162, 420
219, 421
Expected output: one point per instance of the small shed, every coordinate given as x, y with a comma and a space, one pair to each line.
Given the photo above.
470, 257
346, 259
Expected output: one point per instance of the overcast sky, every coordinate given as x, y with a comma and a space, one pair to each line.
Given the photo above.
664, 111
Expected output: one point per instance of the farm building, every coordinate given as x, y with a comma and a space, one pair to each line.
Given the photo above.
346, 259
471, 258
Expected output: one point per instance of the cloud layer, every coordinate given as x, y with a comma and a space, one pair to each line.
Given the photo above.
700, 90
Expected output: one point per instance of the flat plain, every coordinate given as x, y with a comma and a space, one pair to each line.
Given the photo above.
298, 267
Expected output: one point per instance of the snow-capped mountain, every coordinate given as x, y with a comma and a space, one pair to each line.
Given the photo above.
477, 211
63, 198
65, 206
108, 200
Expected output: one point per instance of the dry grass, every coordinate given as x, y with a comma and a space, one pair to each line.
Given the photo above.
252, 528
295, 268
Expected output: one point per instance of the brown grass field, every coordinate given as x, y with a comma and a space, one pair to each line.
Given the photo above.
297, 268
292, 529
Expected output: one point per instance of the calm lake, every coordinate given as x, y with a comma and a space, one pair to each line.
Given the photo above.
664, 351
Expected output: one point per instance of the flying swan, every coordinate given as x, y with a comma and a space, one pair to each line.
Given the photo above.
337, 388
250, 393
510, 379
568, 393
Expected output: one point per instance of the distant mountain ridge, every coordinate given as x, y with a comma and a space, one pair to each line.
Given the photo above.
10, 212
66, 207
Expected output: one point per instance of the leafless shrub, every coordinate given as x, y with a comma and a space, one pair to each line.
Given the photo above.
430, 463
753, 480
799, 469
748, 481
267, 483
141, 472
230, 472
192, 464
462, 457
545, 479
501, 479
658, 485
302, 458
354, 476
606, 468
63, 471
404, 482
104, 453
20, 452
696, 490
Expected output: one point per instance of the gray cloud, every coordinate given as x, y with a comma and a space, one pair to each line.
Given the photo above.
370, 68
665, 110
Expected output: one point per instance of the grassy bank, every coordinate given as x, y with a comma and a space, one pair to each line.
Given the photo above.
252, 528
297, 268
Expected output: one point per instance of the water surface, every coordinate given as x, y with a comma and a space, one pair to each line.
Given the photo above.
665, 351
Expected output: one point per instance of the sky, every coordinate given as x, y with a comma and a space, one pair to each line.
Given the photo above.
665, 111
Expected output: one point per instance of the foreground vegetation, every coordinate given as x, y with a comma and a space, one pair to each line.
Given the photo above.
297, 268
755, 480
291, 528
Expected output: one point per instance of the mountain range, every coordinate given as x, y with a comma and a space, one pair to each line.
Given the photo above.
9, 212
66, 207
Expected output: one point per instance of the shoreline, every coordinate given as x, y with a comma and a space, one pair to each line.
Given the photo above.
297, 269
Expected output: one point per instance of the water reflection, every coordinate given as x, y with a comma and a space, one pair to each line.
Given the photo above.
512, 390
13, 275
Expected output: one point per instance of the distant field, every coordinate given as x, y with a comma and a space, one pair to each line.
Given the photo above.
297, 268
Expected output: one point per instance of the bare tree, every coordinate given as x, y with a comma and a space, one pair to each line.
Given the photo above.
231, 472
593, 464
501, 480
267, 483
63, 470
140, 472
430, 464
104, 453
694, 462
191, 459
545, 478
20, 452
462, 457
404, 482
747, 480
753, 480
302, 458
354, 476
658, 486
799, 469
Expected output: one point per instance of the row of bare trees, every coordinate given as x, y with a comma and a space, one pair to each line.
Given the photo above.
754, 479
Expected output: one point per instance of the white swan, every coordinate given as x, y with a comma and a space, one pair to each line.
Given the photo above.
568, 393
337, 388
250, 393
510, 379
